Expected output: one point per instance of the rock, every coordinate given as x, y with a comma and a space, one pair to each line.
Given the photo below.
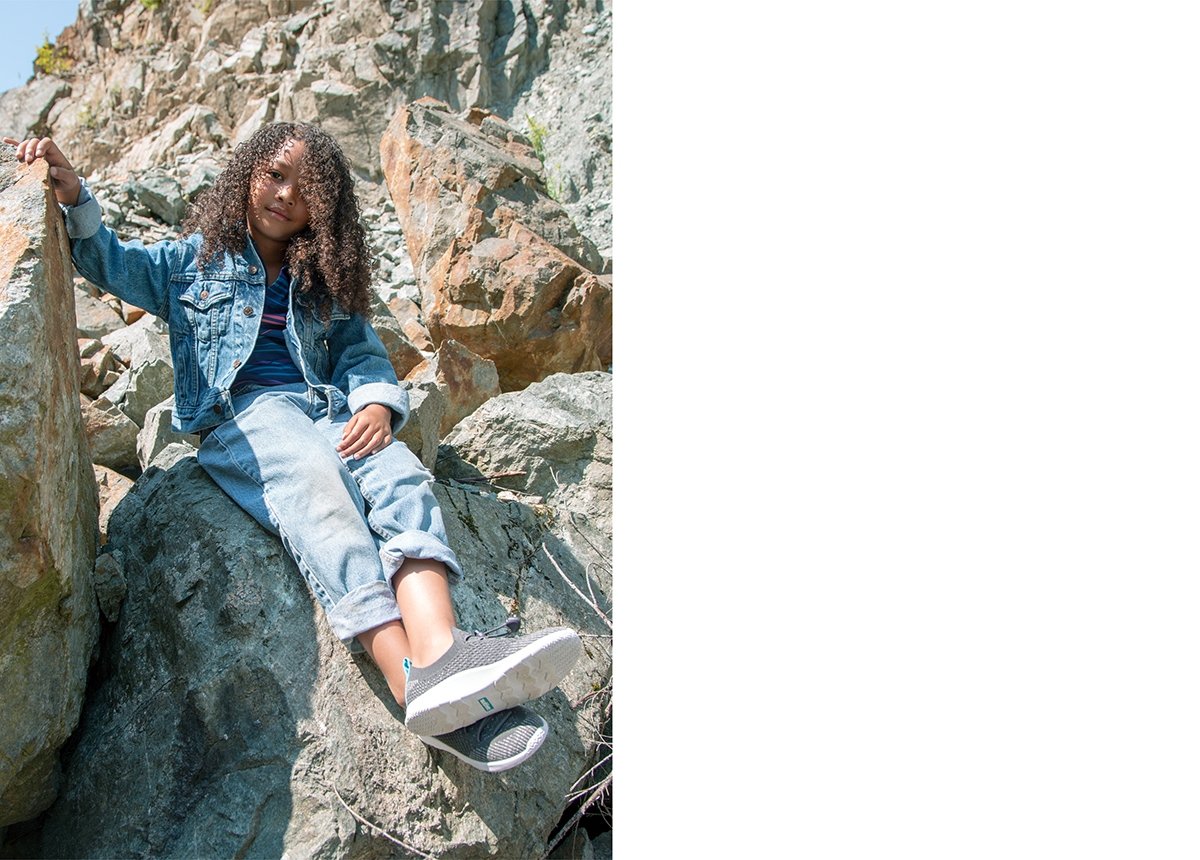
111, 434
25, 109
422, 431
524, 305
141, 342
110, 584
230, 721
48, 501
500, 266
112, 487
401, 353
156, 433
557, 432
408, 313
95, 318
194, 127
141, 388
161, 193
465, 380
97, 372
132, 313
446, 175
150, 377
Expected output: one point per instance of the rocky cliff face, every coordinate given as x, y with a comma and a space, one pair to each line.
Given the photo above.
216, 743
48, 502
147, 86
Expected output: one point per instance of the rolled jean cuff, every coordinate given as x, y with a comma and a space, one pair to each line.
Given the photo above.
418, 544
363, 609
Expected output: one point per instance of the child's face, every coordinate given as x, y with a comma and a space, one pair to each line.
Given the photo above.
277, 210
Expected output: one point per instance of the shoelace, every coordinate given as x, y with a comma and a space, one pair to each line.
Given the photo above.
512, 625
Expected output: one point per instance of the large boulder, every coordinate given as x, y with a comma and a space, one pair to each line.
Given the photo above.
501, 267
231, 722
552, 441
48, 501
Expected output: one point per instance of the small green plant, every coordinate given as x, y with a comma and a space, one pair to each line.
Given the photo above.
87, 117
205, 6
51, 60
554, 187
537, 137
151, 5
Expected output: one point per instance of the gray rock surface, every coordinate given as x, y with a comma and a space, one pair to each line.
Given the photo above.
24, 110
94, 318
111, 434
231, 722
140, 388
112, 487
421, 433
557, 432
156, 433
48, 501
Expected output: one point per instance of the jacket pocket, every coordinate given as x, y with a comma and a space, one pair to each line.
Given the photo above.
207, 305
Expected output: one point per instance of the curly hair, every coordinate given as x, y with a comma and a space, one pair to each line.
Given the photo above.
330, 255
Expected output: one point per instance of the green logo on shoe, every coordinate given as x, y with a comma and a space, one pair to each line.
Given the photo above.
487, 706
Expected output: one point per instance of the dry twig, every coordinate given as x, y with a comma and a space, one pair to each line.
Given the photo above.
587, 804
591, 602
379, 829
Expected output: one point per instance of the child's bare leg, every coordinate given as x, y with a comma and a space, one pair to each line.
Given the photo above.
462, 679
423, 594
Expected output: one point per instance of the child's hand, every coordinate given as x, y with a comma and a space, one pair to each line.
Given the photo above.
63, 178
370, 430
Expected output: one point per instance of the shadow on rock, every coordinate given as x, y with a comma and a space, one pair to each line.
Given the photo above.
188, 745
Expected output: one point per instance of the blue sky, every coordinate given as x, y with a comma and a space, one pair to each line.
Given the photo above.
25, 24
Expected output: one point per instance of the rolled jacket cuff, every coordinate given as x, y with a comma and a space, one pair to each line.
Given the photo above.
83, 219
392, 396
418, 544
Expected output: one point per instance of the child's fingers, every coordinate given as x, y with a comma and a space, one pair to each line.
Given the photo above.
371, 444
353, 429
33, 148
362, 438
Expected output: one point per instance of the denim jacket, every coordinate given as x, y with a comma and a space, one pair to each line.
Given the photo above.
213, 316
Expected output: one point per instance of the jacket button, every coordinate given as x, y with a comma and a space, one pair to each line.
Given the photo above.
237, 362
204, 294
249, 311
217, 408
254, 270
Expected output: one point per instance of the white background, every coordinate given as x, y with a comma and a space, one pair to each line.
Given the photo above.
907, 439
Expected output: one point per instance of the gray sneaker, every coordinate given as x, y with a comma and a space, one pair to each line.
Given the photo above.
501, 740
482, 673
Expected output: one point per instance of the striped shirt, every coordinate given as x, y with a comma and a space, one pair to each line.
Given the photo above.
270, 363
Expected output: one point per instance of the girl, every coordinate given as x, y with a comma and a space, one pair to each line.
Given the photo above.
296, 403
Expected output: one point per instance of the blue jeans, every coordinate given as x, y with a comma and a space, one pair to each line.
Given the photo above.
349, 524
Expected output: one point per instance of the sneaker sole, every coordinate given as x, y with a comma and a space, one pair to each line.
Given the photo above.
535, 743
521, 677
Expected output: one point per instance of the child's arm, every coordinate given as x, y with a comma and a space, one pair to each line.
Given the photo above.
128, 270
361, 369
